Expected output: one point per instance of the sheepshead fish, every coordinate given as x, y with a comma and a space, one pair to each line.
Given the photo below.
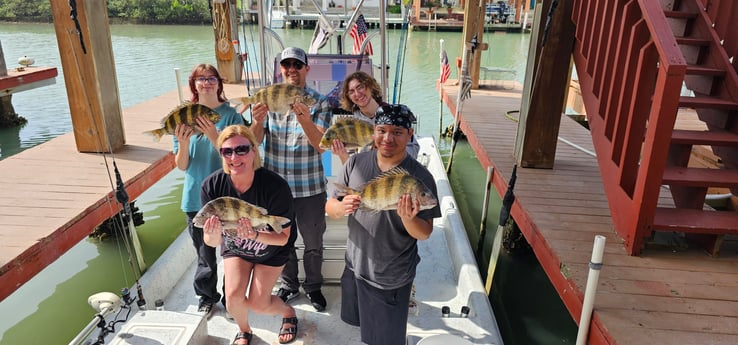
183, 114
352, 132
229, 210
384, 191
278, 97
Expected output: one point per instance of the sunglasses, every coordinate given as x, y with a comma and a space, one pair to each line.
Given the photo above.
240, 150
296, 64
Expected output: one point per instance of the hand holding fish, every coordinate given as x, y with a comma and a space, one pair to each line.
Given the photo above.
207, 127
407, 207
302, 112
348, 205
183, 133
259, 112
339, 150
212, 231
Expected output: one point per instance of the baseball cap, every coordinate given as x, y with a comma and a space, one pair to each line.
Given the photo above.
294, 53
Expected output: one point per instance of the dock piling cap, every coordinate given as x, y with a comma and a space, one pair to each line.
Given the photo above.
444, 339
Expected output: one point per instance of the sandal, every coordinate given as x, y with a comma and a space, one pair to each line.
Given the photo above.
289, 330
243, 335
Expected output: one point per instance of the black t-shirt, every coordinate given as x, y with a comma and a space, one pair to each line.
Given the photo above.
269, 191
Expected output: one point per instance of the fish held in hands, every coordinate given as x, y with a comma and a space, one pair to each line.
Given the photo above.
278, 97
352, 132
229, 210
384, 191
186, 114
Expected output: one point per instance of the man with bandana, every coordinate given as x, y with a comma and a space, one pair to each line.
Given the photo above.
382, 250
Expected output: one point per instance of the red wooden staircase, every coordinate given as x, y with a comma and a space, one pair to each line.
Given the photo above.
641, 64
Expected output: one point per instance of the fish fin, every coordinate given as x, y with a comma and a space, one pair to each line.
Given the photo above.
392, 172
344, 118
154, 134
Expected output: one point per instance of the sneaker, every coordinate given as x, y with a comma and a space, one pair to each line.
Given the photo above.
317, 300
287, 295
205, 307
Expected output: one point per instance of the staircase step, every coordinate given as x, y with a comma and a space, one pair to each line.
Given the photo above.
700, 177
696, 221
693, 41
704, 70
701, 102
714, 138
680, 14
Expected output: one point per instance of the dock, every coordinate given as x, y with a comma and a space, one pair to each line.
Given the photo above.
52, 197
670, 294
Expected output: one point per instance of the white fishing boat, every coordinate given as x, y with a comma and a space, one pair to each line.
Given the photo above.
449, 303
451, 306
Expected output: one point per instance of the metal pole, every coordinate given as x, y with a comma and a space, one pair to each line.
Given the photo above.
440, 101
483, 224
459, 104
179, 85
595, 265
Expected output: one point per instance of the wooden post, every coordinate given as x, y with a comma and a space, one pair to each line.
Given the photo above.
89, 74
226, 31
548, 92
474, 24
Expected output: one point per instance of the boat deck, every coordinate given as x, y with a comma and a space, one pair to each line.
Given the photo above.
671, 294
52, 196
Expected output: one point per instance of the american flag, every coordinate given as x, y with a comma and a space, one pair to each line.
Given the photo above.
358, 33
445, 68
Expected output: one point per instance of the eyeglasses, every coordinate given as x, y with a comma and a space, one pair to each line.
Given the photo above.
240, 150
358, 88
296, 64
210, 80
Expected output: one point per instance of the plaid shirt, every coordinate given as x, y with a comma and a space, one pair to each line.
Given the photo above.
287, 150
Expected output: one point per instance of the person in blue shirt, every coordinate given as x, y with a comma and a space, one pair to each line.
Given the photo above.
198, 157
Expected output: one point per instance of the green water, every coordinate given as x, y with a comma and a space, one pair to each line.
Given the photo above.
526, 305
52, 308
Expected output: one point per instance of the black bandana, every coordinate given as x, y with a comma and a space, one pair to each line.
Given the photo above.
395, 115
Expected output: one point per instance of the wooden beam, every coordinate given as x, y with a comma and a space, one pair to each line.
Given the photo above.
89, 74
548, 92
226, 31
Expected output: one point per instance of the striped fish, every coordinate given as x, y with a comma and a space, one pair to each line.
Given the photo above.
384, 191
183, 114
278, 97
352, 132
229, 210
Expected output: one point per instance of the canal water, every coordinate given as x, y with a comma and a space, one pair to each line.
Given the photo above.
52, 307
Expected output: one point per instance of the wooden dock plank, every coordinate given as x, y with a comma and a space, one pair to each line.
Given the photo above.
667, 295
52, 196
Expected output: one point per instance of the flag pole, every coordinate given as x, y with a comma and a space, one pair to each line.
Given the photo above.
440, 99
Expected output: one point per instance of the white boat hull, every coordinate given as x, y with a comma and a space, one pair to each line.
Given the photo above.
446, 276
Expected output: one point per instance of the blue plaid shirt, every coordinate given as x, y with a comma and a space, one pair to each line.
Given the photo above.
287, 150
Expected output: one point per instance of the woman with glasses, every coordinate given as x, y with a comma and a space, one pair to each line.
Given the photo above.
250, 255
198, 157
362, 95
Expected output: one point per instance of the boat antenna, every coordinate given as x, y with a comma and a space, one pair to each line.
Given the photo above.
400, 65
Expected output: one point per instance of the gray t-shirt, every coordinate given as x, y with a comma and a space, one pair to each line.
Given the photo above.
379, 250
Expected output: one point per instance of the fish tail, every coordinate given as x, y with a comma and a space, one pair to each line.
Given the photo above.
342, 190
155, 134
